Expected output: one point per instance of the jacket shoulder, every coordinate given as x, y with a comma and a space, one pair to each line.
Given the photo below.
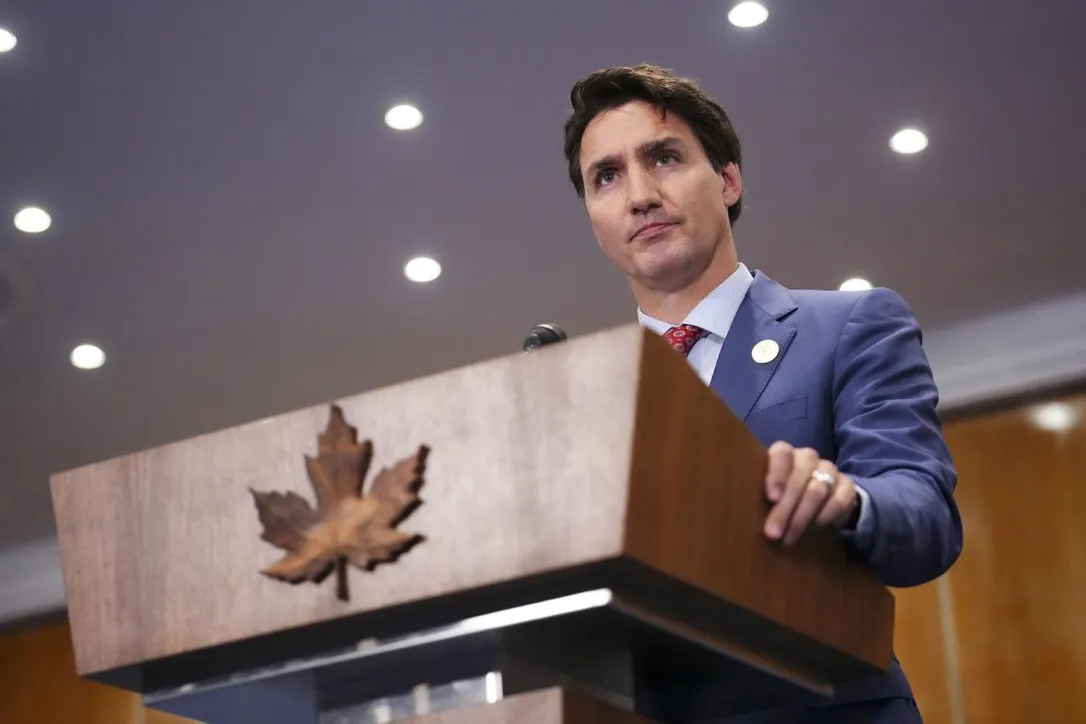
846, 305
784, 303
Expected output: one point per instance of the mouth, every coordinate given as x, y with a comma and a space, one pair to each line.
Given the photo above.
651, 230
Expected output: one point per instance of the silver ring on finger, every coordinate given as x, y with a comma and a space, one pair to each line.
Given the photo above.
828, 479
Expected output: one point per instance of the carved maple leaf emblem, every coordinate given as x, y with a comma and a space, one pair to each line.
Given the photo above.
346, 525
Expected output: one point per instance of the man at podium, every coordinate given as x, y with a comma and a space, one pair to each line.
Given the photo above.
836, 384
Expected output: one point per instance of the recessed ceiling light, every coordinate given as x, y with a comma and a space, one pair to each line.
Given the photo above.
909, 140
748, 14
1054, 416
8, 41
32, 220
856, 284
88, 357
403, 118
422, 269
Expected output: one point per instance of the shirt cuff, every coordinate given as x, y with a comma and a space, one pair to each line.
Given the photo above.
864, 532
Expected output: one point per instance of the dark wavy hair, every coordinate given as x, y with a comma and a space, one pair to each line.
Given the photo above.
661, 87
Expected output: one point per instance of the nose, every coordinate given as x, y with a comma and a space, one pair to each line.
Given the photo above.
642, 192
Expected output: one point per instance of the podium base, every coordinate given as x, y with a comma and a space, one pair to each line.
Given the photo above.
549, 706
598, 643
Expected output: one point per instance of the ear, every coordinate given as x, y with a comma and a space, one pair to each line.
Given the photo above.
733, 184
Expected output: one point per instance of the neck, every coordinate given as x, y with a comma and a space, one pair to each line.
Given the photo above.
673, 306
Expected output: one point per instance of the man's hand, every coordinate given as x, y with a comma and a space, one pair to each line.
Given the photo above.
799, 498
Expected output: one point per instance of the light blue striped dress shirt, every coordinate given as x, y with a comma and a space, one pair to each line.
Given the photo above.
715, 315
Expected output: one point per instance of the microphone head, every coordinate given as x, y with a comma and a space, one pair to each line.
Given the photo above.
542, 334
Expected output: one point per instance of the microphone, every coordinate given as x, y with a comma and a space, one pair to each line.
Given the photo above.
542, 334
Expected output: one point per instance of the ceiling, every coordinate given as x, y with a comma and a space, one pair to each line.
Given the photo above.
231, 216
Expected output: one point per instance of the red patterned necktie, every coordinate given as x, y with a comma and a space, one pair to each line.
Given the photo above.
684, 337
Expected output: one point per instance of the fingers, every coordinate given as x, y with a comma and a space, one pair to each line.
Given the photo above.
812, 500
799, 500
838, 508
791, 486
780, 468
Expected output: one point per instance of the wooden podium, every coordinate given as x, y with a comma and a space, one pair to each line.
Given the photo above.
586, 547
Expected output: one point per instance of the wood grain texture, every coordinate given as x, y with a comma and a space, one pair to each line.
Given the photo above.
161, 550
1019, 589
579, 709
919, 645
697, 506
548, 706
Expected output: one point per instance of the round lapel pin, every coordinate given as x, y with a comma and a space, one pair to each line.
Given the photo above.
765, 351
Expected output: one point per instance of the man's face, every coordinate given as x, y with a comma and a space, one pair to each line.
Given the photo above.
657, 207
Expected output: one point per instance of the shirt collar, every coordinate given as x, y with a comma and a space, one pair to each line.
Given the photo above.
716, 312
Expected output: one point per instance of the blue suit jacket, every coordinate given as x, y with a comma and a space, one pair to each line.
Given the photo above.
852, 381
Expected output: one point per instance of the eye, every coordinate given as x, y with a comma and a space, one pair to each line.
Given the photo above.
667, 158
605, 176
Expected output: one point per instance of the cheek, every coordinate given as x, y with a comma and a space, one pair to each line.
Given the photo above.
711, 201
608, 229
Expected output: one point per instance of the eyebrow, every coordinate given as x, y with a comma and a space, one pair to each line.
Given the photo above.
645, 150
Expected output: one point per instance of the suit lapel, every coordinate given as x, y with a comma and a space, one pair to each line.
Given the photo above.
738, 379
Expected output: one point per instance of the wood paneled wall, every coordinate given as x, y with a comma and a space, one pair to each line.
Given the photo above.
918, 643
1001, 639
38, 684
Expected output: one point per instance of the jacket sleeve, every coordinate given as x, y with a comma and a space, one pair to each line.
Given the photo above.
890, 441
